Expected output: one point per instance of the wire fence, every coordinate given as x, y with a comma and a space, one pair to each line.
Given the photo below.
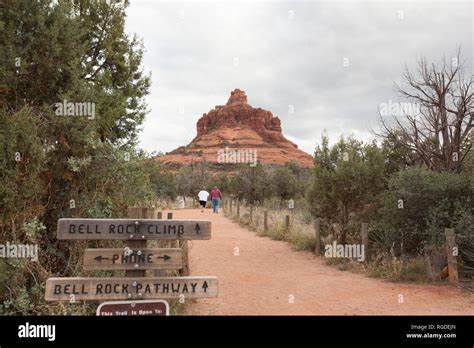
459, 250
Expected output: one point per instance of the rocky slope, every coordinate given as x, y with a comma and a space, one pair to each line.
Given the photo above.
238, 133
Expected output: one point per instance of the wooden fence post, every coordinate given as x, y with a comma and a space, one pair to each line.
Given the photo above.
251, 214
451, 251
287, 223
135, 245
238, 209
265, 221
317, 240
365, 239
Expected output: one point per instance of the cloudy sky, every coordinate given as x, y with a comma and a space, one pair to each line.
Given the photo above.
335, 62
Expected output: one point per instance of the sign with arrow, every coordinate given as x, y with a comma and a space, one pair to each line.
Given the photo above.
65, 289
135, 258
127, 259
133, 229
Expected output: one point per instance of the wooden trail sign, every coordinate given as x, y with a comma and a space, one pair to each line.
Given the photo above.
133, 229
125, 259
134, 308
136, 258
78, 289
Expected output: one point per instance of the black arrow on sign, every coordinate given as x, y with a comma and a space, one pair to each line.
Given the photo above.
166, 257
100, 258
197, 229
205, 286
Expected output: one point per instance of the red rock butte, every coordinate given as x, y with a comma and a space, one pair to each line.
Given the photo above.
237, 126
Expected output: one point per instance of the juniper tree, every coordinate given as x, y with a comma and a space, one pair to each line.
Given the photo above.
75, 51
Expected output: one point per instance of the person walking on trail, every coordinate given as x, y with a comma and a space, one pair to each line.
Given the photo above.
203, 195
216, 197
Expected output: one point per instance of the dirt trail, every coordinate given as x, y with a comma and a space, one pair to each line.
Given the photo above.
267, 274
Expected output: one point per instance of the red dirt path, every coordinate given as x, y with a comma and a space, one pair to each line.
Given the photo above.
267, 274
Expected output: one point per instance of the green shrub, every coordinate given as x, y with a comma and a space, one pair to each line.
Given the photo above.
68, 166
417, 207
347, 176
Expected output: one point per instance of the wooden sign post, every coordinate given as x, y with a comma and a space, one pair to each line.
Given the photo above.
135, 259
134, 213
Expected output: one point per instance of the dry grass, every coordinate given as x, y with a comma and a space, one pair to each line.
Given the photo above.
299, 234
398, 270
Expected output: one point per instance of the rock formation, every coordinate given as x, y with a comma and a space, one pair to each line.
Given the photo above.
237, 126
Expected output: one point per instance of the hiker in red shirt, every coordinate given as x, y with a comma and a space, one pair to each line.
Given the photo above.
216, 197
